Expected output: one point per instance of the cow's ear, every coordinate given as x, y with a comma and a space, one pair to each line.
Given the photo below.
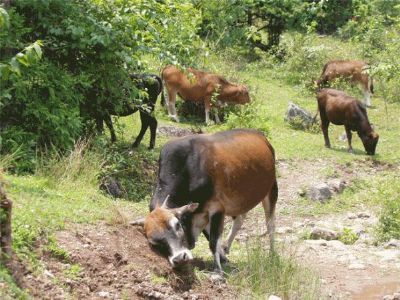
190, 208
138, 222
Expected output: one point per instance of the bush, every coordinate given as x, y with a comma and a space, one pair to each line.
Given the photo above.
252, 115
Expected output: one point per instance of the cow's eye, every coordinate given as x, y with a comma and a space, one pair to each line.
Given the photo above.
178, 226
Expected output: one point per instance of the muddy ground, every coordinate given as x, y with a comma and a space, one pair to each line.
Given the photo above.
116, 262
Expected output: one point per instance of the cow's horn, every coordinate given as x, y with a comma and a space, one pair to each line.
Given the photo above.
164, 205
138, 222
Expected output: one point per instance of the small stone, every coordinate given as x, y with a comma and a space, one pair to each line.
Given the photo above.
337, 185
316, 242
273, 297
388, 297
396, 296
104, 294
319, 192
297, 116
356, 266
48, 274
351, 216
393, 243
337, 245
217, 278
364, 215
322, 233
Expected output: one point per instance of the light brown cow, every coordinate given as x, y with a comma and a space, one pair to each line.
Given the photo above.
356, 71
198, 86
205, 178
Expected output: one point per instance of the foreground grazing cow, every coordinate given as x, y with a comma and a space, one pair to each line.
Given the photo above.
200, 87
353, 70
152, 85
203, 178
340, 109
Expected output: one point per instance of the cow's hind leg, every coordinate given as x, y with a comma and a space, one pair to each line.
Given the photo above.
269, 204
216, 228
367, 94
237, 224
171, 105
144, 118
108, 121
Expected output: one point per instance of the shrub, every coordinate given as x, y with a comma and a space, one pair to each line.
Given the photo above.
348, 237
389, 220
252, 115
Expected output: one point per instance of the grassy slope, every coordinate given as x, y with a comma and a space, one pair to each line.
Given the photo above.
44, 204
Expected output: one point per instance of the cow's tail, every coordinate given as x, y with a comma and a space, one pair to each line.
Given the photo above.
371, 85
163, 103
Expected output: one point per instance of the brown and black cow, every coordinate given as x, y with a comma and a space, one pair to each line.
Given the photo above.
340, 109
198, 86
356, 71
203, 178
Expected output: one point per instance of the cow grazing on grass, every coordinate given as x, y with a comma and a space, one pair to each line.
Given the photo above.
353, 70
198, 86
152, 85
203, 178
340, 109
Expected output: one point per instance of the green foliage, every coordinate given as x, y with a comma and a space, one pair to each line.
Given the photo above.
348, 237
55, 250
88, 55
389, 220
252, 115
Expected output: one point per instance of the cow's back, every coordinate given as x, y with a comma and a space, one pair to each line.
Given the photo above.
241, 165
345, 68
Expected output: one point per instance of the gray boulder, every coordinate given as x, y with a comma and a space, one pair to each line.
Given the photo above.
319, 192
319, 233
297, 116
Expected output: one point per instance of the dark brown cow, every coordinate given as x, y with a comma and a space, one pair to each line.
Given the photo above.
353, 70
203, 178
340, 109
200, 87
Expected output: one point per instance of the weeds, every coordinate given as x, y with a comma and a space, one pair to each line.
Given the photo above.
265, 273
348, 237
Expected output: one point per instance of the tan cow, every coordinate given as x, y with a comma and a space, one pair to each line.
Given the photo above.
353, 70
200, 87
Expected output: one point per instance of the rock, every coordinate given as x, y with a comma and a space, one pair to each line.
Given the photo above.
284, 229
111, 186
336, 185
48, 273
316, 242
169, 130
364, 215
396, 296
319, 233
217, 278
388, 297
393, 243
319, 192
104, 294
337, 245
351, 216
356, 266
273, 297
297, 116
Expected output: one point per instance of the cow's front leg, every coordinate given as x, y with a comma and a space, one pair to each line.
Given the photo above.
171, 106
324, 128
207, 108
348, 133
237, 224
216, 228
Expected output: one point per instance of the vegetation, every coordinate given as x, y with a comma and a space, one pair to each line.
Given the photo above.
58, 75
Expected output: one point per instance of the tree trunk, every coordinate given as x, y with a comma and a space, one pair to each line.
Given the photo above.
5, 227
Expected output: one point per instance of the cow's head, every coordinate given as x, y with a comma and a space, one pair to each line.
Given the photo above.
242, 94
164, 231
370, 141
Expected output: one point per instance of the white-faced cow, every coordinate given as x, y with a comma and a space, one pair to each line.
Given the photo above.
340, 109
198, 86
355, 71
203, 178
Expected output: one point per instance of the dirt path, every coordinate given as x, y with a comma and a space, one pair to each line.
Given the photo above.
358, 271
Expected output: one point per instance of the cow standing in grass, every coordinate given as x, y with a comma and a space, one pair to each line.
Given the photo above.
198, 86
340, 109
355, 71
151, 85
203, 178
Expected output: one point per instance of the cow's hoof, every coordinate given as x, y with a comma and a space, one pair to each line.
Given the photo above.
328, 146
350, 151
217, 277
223, 258
151, 148
134, 145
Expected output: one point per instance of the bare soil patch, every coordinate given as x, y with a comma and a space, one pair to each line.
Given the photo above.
115, 262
